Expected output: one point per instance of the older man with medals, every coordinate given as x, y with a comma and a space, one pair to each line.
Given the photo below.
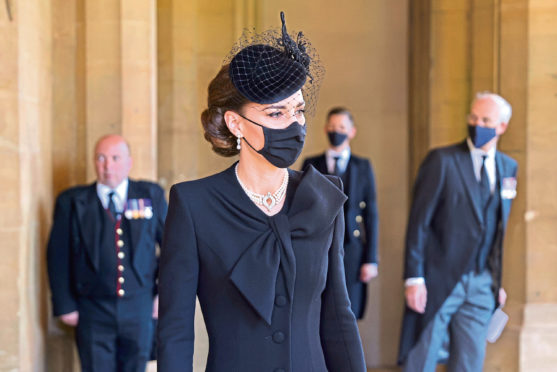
102, 261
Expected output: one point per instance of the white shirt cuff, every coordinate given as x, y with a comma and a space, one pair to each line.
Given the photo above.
413, 281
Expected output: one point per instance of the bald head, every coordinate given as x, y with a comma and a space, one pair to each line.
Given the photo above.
113, 161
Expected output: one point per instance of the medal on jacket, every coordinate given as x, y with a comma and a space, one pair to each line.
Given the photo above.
139, 209
508, 188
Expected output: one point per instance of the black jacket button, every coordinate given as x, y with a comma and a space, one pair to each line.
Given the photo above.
278, 337
280, 300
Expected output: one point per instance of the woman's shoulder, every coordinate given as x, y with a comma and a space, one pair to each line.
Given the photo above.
199, 188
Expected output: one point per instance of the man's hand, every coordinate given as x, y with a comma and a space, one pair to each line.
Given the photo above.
416, 297
156, 307
368, 271
70, 319
502, 297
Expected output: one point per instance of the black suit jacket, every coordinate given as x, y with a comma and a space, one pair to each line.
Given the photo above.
444, 228
271, 289
73, 248
361, 219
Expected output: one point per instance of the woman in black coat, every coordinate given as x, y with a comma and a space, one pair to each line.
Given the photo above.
259, 244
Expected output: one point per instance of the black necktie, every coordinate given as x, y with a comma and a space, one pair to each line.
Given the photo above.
336, 171
485, 188
111, 205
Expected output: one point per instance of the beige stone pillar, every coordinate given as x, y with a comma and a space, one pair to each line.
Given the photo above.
11, 224
178, 116
139, 84
25, 120
103, 73
538, 339
440, 93
69, 156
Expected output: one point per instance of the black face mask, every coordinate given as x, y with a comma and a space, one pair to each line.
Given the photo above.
336, 138
282, 146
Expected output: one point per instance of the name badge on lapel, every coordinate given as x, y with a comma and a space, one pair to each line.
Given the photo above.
139, 209
508, 188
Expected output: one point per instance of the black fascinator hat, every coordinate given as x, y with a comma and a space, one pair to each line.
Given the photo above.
271, 66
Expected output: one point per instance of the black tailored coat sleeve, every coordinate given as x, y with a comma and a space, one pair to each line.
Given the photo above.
73, 241
178, 277
362, 188
59, 256
271, 289
336, 322
445, 226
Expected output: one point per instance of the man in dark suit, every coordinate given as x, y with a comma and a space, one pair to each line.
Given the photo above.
462, 200
360, 211
102, 262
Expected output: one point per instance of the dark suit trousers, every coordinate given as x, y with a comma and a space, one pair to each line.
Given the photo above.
465, 314
115, 335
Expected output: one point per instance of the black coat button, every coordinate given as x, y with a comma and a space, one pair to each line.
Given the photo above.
280, 300
278, 337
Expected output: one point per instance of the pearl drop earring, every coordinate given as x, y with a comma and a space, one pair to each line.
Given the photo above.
239, 142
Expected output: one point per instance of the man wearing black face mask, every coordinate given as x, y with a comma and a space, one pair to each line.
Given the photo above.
361, 232
462, 200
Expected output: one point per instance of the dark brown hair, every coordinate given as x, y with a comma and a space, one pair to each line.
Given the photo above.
340, 111
223, 96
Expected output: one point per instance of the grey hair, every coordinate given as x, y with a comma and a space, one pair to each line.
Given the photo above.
505, 109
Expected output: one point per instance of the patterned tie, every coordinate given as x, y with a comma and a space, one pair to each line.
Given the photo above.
336, 171
485, 188
111, 205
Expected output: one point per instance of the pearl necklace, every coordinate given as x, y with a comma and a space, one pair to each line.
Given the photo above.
269, 201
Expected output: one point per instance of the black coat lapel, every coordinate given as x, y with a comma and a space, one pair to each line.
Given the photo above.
465, 168
352, 174
137, 226
89, 220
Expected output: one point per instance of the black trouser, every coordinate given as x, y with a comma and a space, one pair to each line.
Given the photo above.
115, 334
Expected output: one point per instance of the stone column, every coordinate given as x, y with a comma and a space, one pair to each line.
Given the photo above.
25, 147
69, 157
103, 73
439, 70
536, 89
12, 229
139, 84
178, 116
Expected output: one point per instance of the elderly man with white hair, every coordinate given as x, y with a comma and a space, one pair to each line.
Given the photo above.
454, 243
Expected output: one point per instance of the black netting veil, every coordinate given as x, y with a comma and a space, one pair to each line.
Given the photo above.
272, 65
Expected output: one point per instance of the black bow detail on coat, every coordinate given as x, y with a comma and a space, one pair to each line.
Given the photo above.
315, 205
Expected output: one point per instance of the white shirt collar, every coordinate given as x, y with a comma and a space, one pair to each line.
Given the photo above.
344, 154
119, 199
344, 157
